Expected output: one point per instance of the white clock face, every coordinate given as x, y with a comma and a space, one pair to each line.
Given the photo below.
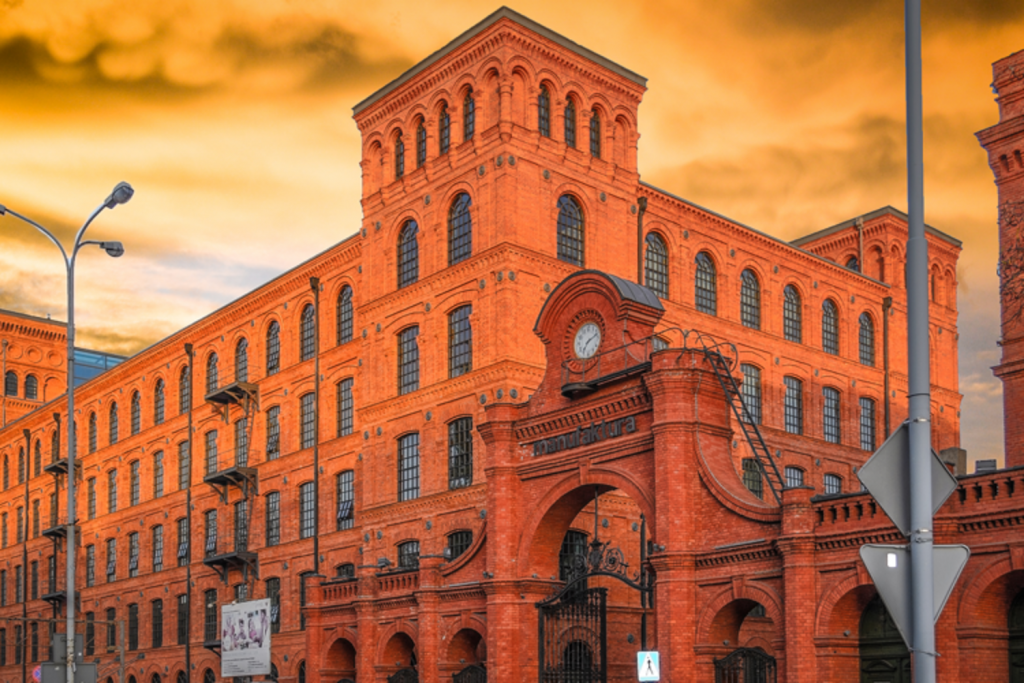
588, 338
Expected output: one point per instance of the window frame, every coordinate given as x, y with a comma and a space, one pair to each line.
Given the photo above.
656, 269
571, 231
408, 466
750, 299
408, 254
792, 314
705, 285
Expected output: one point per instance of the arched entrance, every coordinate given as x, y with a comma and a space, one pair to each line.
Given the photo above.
1015, 622
400, 659
884, 657
747, 635
467, 654
340, 666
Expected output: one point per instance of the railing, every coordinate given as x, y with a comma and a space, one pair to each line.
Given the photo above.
398, 581
340, 591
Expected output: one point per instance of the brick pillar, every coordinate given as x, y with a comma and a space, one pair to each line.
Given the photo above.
314, 633
428, 647
366, 648
796, 544
1004, 143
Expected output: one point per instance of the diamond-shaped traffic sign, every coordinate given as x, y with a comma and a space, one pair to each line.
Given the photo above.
886, 476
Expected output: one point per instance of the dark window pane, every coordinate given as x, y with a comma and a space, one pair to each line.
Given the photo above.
794, 477
136, 410
544, 112
242, 360
750, 300
867, 424
574, 548
307, 511
459, 543
242, 443
273, 433
307, 333
344, 316
833, 484
791, 315
346, 497
460, 341
444, 129
409, 555
408, 360
830, 417
158, 402
706, 285
867, 340
273, 518
421, 145
345, 407
399, 157
468, 116
408, 255
752, 477
570, 231
460, 453
656, 265
307, 420
830, 327
273, 348
570, 123
212, 374
460, 230
751, 390
595, 134
794, 405
409, 467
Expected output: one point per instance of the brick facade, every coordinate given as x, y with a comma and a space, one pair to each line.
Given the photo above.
492, 109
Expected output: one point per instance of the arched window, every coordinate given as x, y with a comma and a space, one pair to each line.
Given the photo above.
345, 492
705, 285
37, 461
273, 348
853, 264
570, 123
444, 129
345, 407
409, 466
656, 265
399, 157
31, 387
867, 340
55, 446
344, 315
242, 360
114, 428
867, 424
408, 255
136, 410
460, 230
93, 431
307, 333
544, 112
751, 391
460, 341
408, 360
421, 144
570, 231
158, 402
752, 477
792, 318
460, 453
794, 405
458, 543
7, 472
184, 391
750, 300
21, 465
830, 415
468, 116
830, 327
794, 477
10, 384
595, 134
212, 380
833, 484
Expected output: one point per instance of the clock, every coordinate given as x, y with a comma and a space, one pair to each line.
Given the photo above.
588, 338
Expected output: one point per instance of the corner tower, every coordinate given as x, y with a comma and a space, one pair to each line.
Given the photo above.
1004, 143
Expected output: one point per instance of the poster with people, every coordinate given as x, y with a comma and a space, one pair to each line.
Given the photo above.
245, 638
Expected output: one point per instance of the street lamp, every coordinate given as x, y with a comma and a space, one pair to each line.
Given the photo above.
121, 193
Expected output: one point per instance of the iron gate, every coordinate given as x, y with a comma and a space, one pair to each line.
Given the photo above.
573, 637
745, 665
474, 673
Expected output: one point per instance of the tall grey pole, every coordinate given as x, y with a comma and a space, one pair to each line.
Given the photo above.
921, 538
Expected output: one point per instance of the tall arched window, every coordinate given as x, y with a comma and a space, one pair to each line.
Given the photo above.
468, 116
853, 264
344, 315
867, 424
830, 415
10, 384
307, 333
273, 348
184, 392
751, 391
460, 230
113, 424
158, 402
344, 407
7, 473
460, 341
399, 156
750, 300
55, 446
444, 129
421, 144
705, 284
570, 123
570, 231
792, 318
830, 327
136, 413
656, 265
31, 387
212, 379
37, 459
793, 404
544, 112
460, 453
867, 340
595, 134
408, 255
93, 432
408, 360
409, 466
242, 360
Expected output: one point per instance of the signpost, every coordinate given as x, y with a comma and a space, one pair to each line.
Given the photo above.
648, 666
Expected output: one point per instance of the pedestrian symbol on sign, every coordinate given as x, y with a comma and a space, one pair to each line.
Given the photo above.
648, 667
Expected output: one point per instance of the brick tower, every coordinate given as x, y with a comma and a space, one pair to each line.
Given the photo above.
1004, 143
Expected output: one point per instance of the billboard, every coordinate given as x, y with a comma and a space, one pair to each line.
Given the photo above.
245, 638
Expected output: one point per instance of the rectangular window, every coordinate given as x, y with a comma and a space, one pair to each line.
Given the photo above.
34, 574
111, 560
211, 533
3, 647
133, 626
460, 453
408, 361
833, 484
133, 554
19, 584
307, 511
274, 433
794, 477
19, 644
794, 405
273, 518
158, 623
242, 443
158, 548
3, 588
91, 486
409, 467
307, 420
112, 491
158, 474
274, 595
211, 452
210, 616
409, 555
182, 619
458, 543
35, 519
346, 496
111, 629
830, 415
53, 510
460, 341
241, 592
90, 566
752, 477
751, 391
90, 633
34, 650
241, 526
51, 574
867, 424
20, 530
136, 483
184, 466
3, 530
345, 407
182, 553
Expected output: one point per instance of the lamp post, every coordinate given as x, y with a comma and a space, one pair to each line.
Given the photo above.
121, 193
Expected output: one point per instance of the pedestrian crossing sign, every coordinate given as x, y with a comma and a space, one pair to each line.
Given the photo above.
648, 666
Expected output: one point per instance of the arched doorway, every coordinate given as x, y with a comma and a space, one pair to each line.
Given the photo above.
340, 665
400, 659
747, 635
884, 657
1015, 622
467, 655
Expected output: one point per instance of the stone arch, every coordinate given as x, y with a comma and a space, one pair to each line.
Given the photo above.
397, 647
340, 660
988, 592
467, 645
725, 612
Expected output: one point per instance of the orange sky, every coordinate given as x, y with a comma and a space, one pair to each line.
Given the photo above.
232, 119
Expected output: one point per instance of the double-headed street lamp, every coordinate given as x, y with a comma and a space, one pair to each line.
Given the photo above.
120, 195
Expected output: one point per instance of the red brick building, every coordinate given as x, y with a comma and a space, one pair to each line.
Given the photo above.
415, 437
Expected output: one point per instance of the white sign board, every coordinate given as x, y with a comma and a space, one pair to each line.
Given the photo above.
648, 666
245, 639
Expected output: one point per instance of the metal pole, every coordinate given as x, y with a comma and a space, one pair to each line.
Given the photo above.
642, 204
4, 344
70, 547
120, 627
314, 284
24, 560
921, 538
190, 352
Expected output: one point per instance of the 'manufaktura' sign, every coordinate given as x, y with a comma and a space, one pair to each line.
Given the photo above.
597, 431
